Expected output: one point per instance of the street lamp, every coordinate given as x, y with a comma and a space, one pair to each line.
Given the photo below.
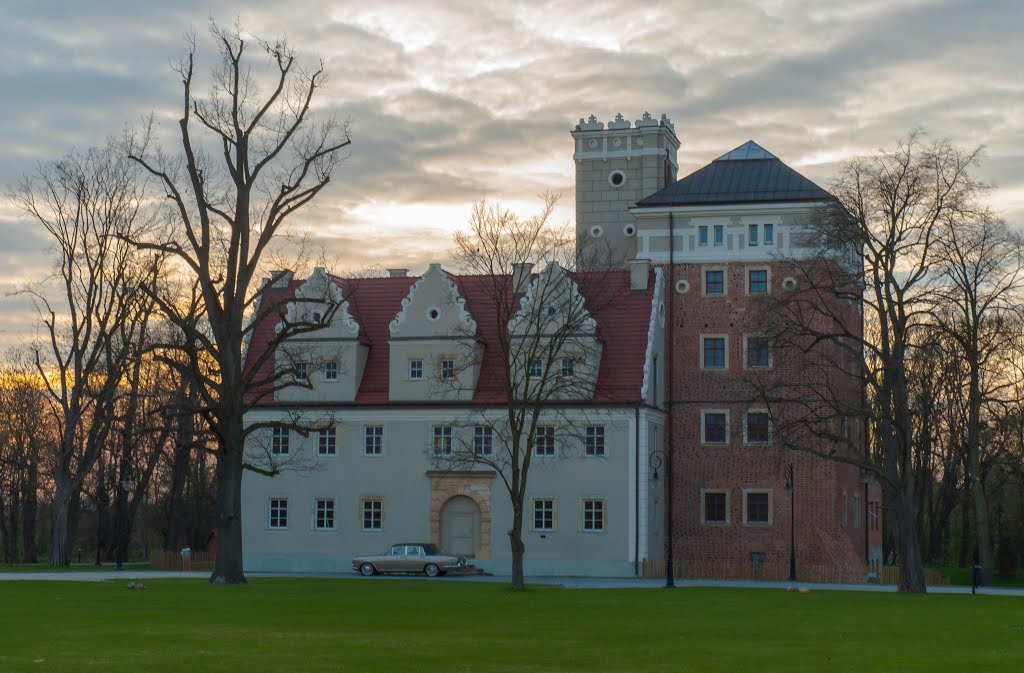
656, 460
791, 487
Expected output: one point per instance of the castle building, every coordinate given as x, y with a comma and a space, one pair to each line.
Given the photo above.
397, 371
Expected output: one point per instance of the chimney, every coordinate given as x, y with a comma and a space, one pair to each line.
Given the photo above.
520, 277
398, 273
281, 278
639, 272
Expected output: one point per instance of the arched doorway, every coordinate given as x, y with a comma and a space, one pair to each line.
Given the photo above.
460, 526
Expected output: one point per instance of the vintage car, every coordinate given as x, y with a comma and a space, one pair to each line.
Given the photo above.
409, 557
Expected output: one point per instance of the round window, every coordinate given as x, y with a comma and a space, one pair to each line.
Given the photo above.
433, 313
616, 178
597, 231
629, 230
682, 286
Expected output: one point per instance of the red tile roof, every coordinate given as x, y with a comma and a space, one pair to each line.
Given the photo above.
622, 316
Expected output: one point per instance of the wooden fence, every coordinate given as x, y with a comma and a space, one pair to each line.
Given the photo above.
775, 572
171, 560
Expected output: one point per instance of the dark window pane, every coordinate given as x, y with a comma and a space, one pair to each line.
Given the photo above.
757, 508
714, 428
714, 507
714, 353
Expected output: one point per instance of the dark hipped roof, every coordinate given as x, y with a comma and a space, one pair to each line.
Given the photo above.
747, 174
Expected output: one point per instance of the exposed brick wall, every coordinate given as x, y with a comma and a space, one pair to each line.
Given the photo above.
822, 539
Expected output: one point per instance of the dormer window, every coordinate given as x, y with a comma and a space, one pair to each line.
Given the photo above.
447, 369
752, 235
719, 235
769, 234
330, 371
702, 236
536, 368
301, 371
568, 368
416, 369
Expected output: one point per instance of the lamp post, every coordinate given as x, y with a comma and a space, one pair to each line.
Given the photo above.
791, 487
656, 460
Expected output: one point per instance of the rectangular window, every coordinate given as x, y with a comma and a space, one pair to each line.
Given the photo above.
714, 282
447, 369
719, 235
757, 507
327, 441
543, 514
758, 428
568, 368
416, 369
373, 514
752, 235
757, 281
483, 440
702, 236
716, 427
330, 371
593, 516
301, 371
279, 512
544, 441
594, 440
769, 234
279, 441
325, 514
713, 352
442, 440
715, 507
758, 352
373, 440
536, 368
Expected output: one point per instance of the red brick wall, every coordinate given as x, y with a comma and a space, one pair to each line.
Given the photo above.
821, 538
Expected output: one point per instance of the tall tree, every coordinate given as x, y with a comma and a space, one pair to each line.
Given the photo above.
88, 203
876, 250
274, 158
980, 259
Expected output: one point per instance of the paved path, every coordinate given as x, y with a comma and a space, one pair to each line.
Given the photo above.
567, 582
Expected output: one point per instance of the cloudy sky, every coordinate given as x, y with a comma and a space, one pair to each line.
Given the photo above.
453, 101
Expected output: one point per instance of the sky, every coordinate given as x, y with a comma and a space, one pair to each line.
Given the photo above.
455, 101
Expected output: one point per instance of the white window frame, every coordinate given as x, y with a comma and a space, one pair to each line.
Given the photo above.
446, 368
537, 444
567, 367
483, 440
601, 510
534, 512
752, 235
535, 370
369, 500
301, 371
746, 351
331, 370
703, 426
769, 233
719, 235
703, 509
702, 236
329, 436
725, 340
370, 433
277, 505
747, 492
746, 428
280, 440
441, 440
595, 441
415, 369
329, 508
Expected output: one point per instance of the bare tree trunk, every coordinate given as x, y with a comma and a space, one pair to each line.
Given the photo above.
228, 567
515, 536
982, 533
29, 546
911, 568
60, 541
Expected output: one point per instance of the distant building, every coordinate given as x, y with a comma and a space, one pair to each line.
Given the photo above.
714, 242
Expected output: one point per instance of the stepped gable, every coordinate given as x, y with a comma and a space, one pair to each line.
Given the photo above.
747, 174
622, 327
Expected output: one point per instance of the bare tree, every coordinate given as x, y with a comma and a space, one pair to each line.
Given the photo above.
543, 339
88, 204
875, 255
274, 159
980, 262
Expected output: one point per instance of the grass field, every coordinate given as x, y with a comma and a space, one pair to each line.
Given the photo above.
308, 625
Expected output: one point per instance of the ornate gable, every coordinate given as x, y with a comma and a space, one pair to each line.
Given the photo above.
433, 309
319, 301
553, 299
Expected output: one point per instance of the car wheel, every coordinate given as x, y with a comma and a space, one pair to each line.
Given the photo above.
432, 570
367, 569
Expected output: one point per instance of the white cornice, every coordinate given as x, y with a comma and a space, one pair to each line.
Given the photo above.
712, 210
656, 307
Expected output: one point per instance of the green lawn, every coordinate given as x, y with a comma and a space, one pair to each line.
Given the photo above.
308, 625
